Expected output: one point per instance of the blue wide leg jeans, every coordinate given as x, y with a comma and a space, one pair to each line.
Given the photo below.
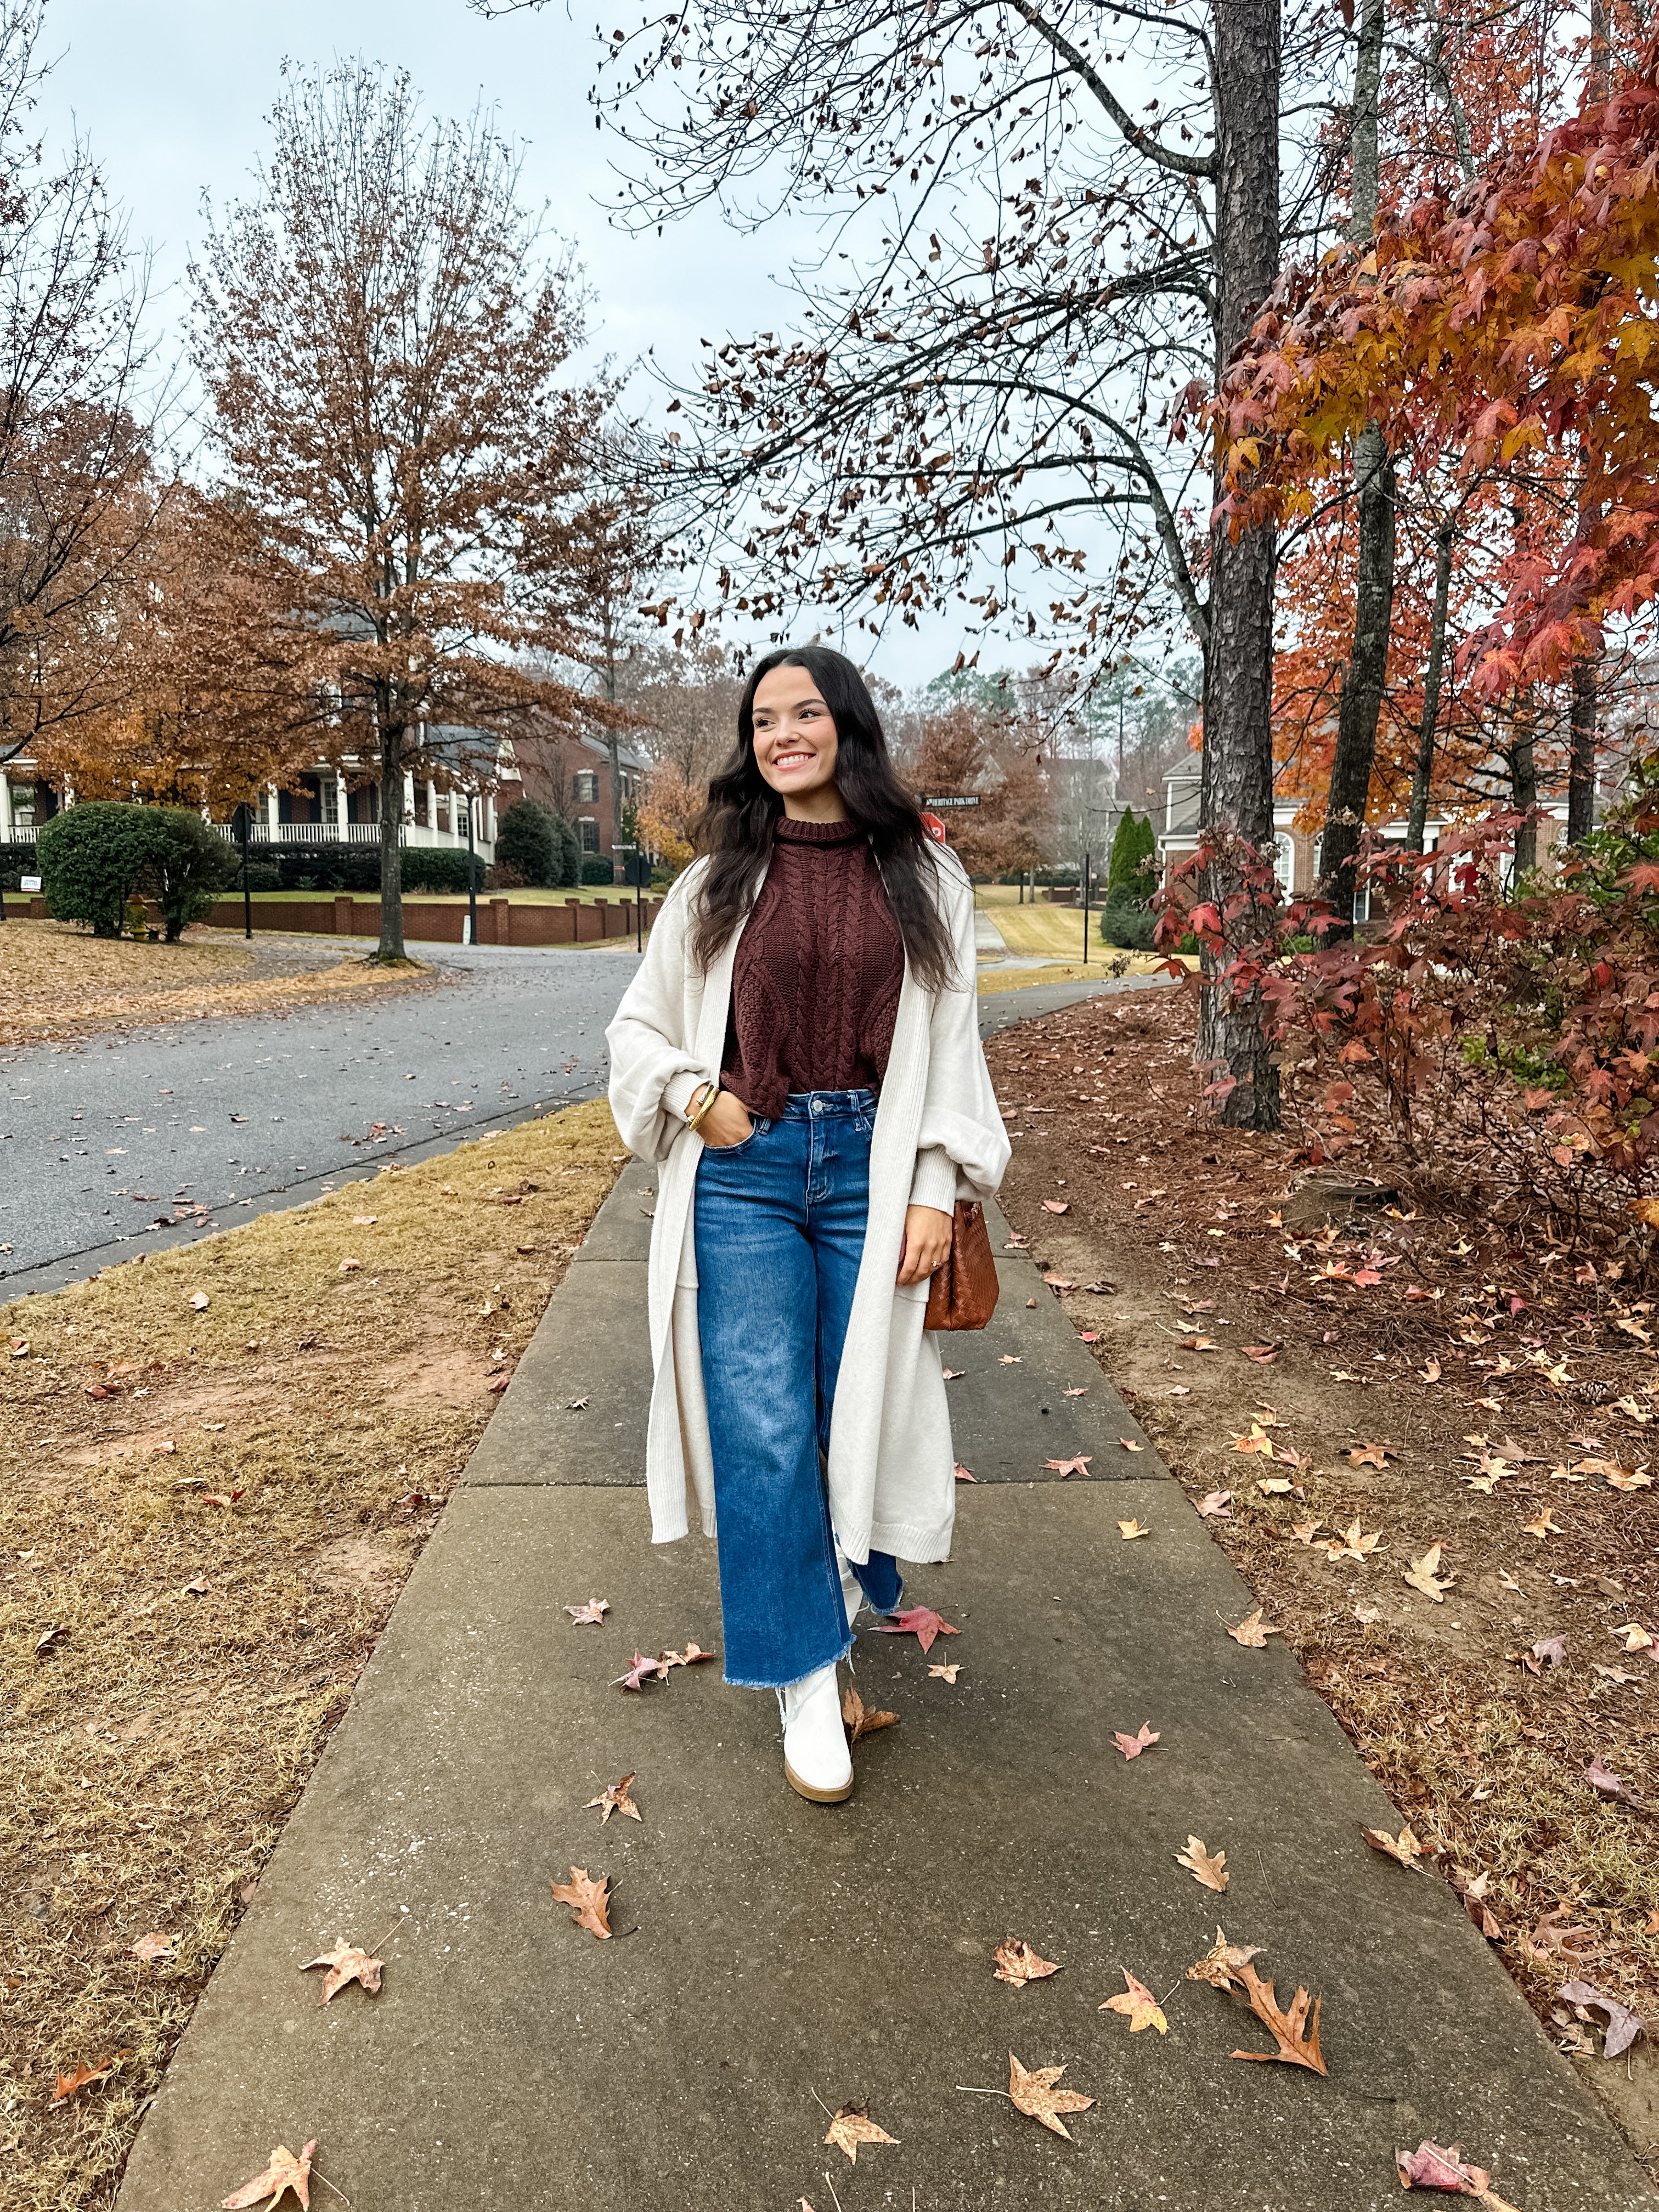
780, 1234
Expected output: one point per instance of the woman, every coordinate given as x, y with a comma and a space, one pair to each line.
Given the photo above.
800, 1052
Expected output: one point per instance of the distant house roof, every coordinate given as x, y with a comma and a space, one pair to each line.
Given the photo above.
629, 756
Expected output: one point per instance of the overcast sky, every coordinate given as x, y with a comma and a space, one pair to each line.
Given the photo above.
172, 94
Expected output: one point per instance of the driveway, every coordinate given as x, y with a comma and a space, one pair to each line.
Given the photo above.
191, 1124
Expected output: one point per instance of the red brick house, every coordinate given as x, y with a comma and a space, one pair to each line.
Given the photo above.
574, 779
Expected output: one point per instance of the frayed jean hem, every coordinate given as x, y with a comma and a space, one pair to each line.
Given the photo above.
747, 1682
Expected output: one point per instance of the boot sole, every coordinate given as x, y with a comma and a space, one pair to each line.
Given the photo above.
815, 1797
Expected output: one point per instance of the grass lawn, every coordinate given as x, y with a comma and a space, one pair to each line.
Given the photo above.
1056, 929
206, 1518
57, 980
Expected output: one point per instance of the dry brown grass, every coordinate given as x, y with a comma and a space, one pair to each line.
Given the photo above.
1191, 1227
56, 981
154, 1748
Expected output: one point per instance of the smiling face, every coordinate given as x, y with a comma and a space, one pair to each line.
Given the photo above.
795, 745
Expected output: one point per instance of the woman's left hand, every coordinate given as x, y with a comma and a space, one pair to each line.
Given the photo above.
926, 1243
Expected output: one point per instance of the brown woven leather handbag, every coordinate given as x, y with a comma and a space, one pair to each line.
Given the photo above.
963, 1293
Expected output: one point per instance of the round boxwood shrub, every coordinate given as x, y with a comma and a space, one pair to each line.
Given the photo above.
1128, 925
93, 858
596, 870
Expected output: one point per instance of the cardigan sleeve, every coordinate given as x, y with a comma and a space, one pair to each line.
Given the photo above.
961, 1120
653, 1067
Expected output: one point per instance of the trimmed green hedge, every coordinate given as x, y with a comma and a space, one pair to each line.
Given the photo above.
96, 858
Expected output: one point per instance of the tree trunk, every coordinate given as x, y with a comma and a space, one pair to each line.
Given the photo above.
1581, 763
1443, 568
390, 946
1523, 782
1238, 757
1365, 675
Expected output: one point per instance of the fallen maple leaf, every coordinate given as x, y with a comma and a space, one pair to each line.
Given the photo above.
1133, 1746
588, 1900
1352, 1545
860, 1721
1252, 1631
954, 1374
594, 1611
346, 1962
1304, 1531
963, 1474
151, 1948
1010, 1359
692, 1653
1035, 2094
1546, 1525
1138, 2003
1431, 1372
616, 1799
199, 1301
1056, 1206
1216, 1506
1623, 2025
1019, 1963
642, 1672
1263, 1354
1075, 1466
919, 1621
1220, 1964
1208, 1867
1286, 2028
852, 2126
1274, 1485
346, 1267
945, 1674
285, 2172
1371, 1454
1081, 1391
1257, 1440
1424, 1575
84, 2076
1130, 1529
1199, 1344
1404, 1847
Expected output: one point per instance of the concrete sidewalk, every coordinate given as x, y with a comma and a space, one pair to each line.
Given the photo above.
778, 1958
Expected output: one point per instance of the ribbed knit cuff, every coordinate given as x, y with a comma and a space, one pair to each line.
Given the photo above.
934, 1183
676, 1093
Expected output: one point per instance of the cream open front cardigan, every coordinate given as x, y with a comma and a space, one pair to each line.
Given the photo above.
939, 1136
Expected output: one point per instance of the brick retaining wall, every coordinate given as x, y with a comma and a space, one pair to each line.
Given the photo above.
343, 913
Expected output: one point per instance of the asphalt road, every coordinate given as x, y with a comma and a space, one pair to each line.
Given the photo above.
246, 1113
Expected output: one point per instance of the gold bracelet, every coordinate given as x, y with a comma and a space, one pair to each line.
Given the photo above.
714, 1093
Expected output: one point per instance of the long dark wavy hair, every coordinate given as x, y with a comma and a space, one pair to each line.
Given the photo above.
735, 829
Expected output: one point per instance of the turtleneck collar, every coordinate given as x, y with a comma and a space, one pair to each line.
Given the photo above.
792, 832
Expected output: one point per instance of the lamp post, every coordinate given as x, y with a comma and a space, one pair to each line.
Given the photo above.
1088, 866
471, 881
247, 895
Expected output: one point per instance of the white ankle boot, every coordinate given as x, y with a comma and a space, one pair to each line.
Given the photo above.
817, 1761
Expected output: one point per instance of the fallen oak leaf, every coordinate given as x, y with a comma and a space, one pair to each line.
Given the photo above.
861, 1721
1130, 1529
1296, 2035
285, 2172
1077, 1465
1016, 1962
1220, 1964
1142, 2008
1371, 1454
1545, 1526
1033, 2094
70, 2085
1133, 1746
588, 1900
853, 2125
594, 1611
919, 1621
1208, 1867
1252, 1631
347, 1962
614, 1799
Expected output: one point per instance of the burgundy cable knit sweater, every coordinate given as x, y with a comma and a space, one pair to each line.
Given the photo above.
815, 987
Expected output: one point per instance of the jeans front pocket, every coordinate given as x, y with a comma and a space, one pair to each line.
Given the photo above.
758, 1126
